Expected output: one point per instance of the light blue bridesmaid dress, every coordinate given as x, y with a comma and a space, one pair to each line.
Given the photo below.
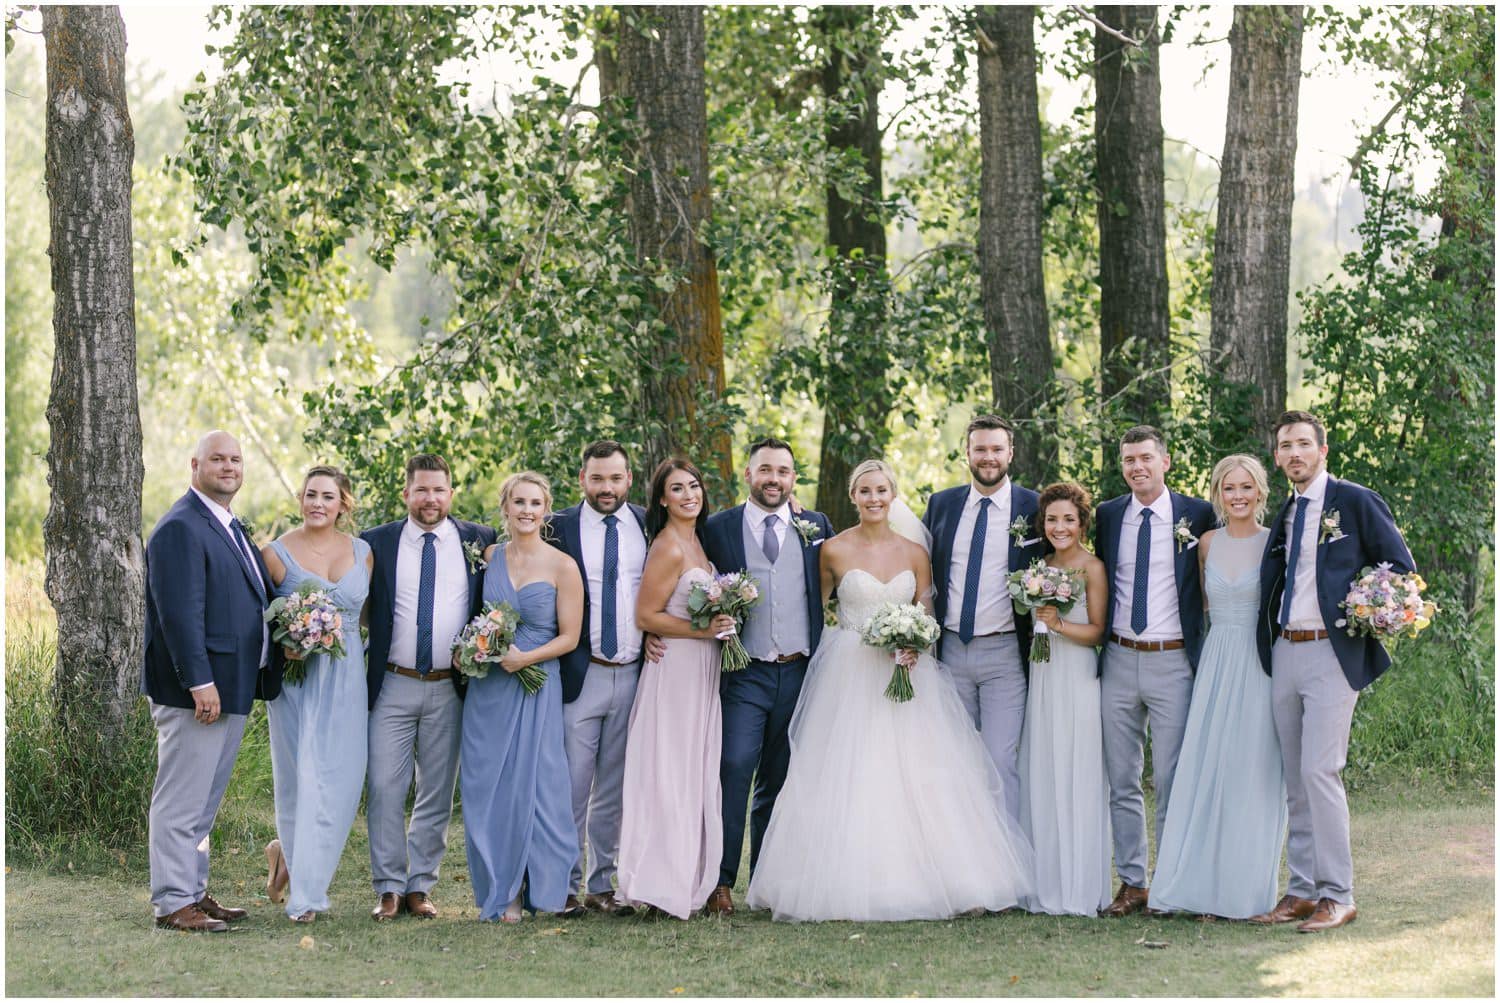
318, 742
513, 771
1220, 850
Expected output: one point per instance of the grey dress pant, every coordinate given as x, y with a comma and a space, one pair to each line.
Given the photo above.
595, 726
415, 728
987, 674
1312, 704
1137, 688
193, 764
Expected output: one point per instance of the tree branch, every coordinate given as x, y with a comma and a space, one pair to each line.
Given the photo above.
1112, 32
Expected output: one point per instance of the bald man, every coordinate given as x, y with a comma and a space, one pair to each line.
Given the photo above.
206, 661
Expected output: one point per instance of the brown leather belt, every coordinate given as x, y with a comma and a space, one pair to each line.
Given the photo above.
1126, 642
429, 677
609, 665
1298, 636
784, 659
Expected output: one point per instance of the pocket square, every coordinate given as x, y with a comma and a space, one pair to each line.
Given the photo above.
1027, 543
1337, 537
1191, 545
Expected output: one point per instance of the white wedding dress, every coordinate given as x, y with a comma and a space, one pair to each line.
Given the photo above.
890, 811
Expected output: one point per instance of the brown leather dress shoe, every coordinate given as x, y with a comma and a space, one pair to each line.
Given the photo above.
1128, 899
193, 920
1288, 910
719, 902
389, 907
219, 912
609, 903
1328, 915
572, 908
420, 906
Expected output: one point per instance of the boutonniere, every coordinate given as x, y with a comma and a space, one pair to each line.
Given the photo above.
1018, 527
474, 554
248, 528
1328, 527
807, 529
1183, 534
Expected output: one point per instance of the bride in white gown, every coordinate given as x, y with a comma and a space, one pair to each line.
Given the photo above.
890, 811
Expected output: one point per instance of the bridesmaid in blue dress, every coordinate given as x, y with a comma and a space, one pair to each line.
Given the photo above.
318, 726
1221, 843
513, 771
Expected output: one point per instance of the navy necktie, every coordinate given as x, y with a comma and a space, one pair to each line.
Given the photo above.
608, 642
971, 573
243, 546
1293, 550
1142, 575
768, 540
425, 593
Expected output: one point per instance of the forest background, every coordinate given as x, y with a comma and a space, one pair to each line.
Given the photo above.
358, 238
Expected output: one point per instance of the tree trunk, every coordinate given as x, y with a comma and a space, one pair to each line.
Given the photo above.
1010, 234
1132, 222
660, 69
95, 560
1253, 239
856, 395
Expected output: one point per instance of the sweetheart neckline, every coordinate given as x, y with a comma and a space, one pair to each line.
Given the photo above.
870, 575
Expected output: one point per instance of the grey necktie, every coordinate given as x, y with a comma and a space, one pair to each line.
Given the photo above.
768, 541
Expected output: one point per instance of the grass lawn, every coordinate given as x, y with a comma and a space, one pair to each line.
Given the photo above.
1426, 888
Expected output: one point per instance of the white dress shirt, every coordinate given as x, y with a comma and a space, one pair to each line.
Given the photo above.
1305, 612
993, 613
632, 558
755, 521
224, 516
450, 597
1163, 622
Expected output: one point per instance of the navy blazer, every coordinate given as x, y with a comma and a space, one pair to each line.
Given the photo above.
385, 544
204, 613
944, 509
724, 543
567, 536
1370, 536
1108, 518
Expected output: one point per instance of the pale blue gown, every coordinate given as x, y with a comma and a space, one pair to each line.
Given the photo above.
513, 771
1220, 850
318, 743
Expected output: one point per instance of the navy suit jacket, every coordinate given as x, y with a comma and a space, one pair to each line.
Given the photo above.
204, 613
1107, 543
724, 543
1370, 537
944, 509
567, 536
385, 544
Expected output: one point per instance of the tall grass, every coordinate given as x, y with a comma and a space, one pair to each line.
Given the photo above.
80, 800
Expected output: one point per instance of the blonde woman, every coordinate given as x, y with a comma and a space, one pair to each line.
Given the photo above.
891, 811
1221, 843
513, 771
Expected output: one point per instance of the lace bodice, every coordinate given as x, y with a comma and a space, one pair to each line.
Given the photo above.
861, 593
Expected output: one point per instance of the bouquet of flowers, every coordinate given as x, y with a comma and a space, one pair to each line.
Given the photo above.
1386, 605
894, 626
730, 594
309, 623
485, 640
1042, 585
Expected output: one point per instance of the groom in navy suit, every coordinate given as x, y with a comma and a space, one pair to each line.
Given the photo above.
779, 547
1153, 629
1324, 535
985, 642
428, 583
206, 661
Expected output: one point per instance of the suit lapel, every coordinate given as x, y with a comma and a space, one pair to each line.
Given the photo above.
1013, 550
391, 540
737, 537
1180, 552
573, 538
948, 523
1330, 495
467, 535
217, 528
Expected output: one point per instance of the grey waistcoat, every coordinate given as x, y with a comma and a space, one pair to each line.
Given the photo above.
778, 624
